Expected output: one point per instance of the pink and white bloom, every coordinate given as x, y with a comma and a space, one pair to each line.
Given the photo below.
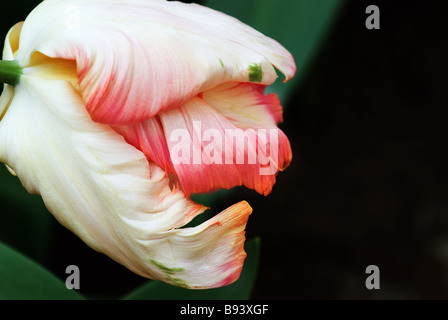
104, 84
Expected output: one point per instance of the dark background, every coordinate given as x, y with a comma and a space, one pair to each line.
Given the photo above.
368, 181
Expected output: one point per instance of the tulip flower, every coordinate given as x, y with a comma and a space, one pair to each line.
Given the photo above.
100, 99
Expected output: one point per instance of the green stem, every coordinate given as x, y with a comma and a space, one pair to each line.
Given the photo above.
10, 72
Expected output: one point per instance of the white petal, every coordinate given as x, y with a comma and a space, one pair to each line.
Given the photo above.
138, 57
12, 41
105, 191
11, 46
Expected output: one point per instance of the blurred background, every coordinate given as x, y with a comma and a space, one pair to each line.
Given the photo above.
366, 116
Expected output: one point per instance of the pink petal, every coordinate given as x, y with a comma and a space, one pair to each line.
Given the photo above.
219, 160
245, 104
183, 140
149, 137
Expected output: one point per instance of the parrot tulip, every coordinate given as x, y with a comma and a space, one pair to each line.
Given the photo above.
95, 93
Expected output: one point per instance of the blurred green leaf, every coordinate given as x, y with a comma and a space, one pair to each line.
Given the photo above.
240, 290
23, 279
26, 223
299, 25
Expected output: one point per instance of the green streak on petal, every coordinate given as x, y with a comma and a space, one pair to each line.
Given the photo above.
10, 72
222, 63
170, 271
255, 73
177, 282
165, 269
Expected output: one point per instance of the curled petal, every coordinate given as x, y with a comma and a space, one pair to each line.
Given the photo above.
209, 151
105, 190
5, 99
221, 237
227, 138
161, 54
149, 137
245, 105
12, 42
11, 46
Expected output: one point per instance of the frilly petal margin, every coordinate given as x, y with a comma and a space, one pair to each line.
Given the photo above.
107, 193
137, 58
245, 122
